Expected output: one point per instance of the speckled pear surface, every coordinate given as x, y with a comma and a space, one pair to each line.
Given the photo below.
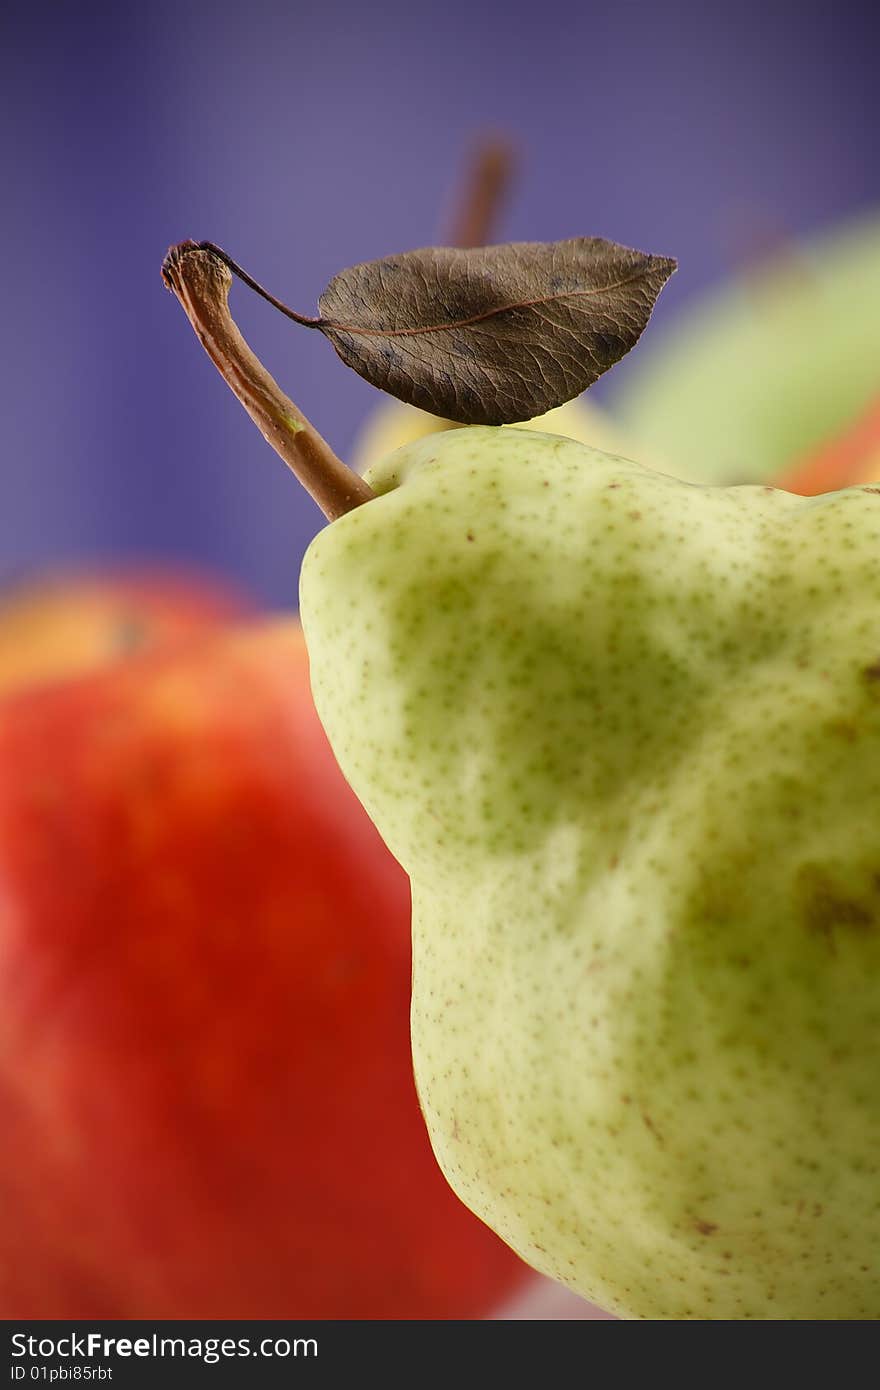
624, 734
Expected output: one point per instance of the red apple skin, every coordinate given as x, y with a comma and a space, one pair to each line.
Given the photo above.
206, 1098
65, 624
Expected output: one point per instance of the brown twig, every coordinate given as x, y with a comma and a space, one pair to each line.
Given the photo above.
200, 277
487, 182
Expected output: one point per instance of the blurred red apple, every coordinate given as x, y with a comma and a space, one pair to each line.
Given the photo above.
67, 623
206, 1099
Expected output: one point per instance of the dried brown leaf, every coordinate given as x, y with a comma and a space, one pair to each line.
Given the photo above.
495, 334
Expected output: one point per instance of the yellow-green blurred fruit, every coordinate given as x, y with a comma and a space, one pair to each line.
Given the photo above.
394, 424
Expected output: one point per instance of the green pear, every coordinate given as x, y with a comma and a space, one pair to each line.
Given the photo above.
756, 373
623, 732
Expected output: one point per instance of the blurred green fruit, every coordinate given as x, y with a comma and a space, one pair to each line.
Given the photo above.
760, 372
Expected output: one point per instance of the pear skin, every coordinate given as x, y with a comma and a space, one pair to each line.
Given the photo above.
623, 733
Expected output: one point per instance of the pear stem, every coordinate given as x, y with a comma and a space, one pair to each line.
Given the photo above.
200, 277
487, 182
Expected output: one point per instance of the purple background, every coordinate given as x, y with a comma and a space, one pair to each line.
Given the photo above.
306, 138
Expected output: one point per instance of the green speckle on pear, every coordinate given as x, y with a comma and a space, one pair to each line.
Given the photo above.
623, 732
